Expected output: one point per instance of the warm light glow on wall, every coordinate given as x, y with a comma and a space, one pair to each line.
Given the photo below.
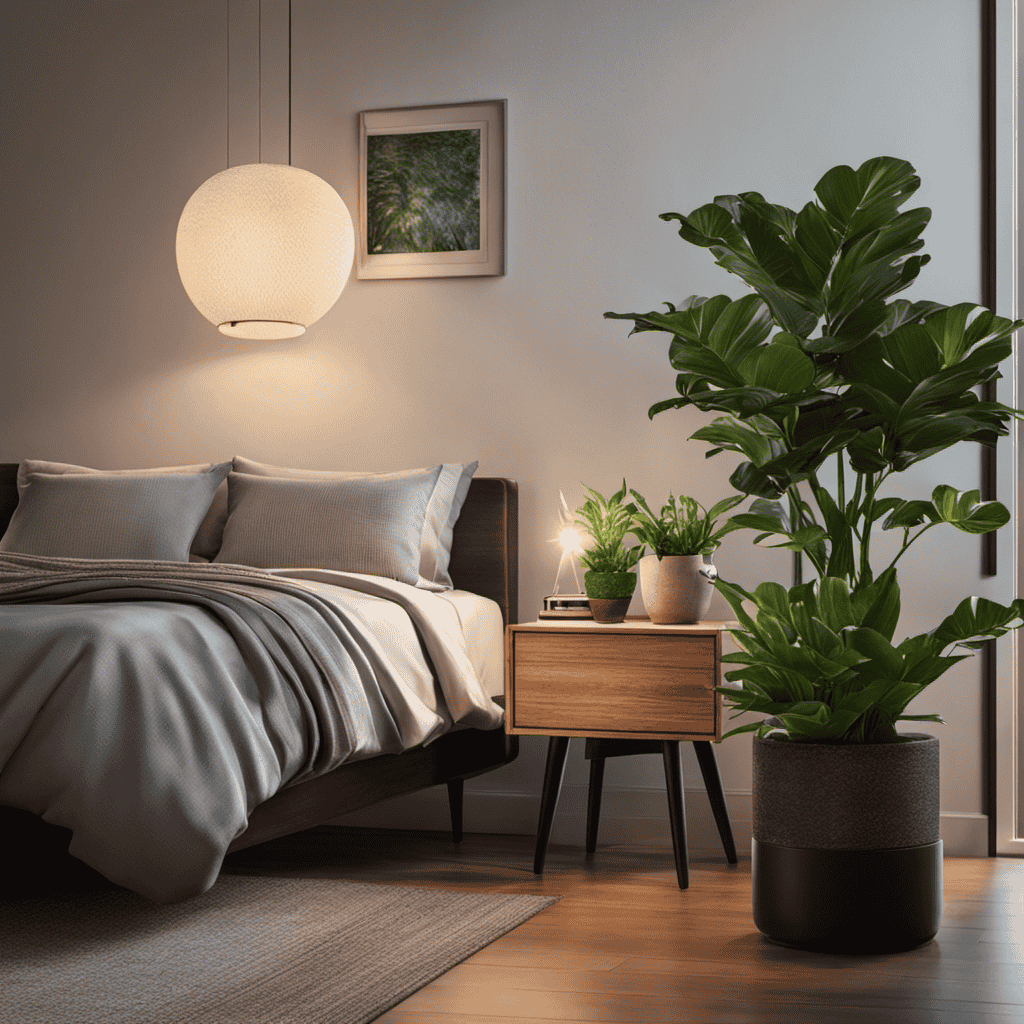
264, 250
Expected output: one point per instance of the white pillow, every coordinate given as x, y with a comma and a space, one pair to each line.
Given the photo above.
443, 509
207, 539
359, 524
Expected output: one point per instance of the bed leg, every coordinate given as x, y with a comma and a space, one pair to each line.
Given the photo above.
455, 806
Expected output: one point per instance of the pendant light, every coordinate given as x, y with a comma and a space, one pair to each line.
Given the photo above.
264, 250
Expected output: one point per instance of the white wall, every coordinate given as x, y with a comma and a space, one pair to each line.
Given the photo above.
114, 113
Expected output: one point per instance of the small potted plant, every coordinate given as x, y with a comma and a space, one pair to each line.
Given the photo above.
829, 389
609, 579
676, 581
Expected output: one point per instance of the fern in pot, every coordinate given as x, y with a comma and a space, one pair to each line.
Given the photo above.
609, 578
677, 580
829, 388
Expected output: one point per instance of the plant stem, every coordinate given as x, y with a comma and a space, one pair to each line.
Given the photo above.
908, 540
870, 487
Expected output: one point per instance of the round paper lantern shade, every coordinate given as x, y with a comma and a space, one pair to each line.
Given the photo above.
264, 250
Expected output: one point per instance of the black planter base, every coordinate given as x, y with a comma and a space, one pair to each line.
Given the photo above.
848, 901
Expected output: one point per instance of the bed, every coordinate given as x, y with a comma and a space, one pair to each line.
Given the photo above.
483, 561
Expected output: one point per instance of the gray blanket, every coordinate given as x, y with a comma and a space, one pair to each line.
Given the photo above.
150, 706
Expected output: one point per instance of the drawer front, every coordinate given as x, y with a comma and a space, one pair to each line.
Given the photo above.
622, 683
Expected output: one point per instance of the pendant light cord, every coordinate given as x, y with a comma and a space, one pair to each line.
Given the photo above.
227, 111
259, 79
259, 59
289, 83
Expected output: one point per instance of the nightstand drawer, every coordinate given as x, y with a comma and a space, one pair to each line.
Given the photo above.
614, 684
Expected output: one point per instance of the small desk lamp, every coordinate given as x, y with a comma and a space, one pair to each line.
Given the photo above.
556, 604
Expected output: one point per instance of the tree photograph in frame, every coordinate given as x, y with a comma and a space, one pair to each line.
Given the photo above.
431, 191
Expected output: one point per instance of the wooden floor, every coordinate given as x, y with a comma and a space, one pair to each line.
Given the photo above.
625, 944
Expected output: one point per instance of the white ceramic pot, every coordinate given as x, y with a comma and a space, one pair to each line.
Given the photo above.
676, 588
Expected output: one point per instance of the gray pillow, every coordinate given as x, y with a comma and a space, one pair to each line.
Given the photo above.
211, 529
443, 510
111, 515
357, 524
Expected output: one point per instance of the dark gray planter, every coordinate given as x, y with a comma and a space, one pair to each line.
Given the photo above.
846, 851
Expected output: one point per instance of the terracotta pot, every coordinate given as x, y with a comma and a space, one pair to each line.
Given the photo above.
846, 851
676, 588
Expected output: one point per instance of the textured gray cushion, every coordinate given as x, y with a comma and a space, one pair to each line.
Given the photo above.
111, 515
356, 524
443, 509
211, 529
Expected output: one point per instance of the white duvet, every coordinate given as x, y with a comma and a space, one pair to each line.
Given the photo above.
150, 706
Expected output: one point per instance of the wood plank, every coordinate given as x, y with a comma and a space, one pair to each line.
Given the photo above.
625, 944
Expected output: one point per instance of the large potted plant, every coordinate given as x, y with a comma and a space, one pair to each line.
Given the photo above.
829, 388
677, 579
609, 578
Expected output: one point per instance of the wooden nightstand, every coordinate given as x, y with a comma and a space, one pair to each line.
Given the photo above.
629, 688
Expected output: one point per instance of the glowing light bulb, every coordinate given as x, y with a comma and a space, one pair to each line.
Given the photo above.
570, 541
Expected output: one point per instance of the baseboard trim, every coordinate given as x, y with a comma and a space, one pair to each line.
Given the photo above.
964, 834
628, 815
633, 815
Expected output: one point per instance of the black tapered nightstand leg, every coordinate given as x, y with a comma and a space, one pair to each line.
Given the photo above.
676, 809
455, 787
713, 784
594, 801
557, 746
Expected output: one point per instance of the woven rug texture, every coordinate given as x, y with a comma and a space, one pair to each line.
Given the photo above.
251, 950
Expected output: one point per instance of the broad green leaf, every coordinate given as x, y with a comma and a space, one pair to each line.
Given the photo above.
909, 514
749, 479
773, 598
840, 534
967, 512
858, 325
817, 240
694, 358
913, 352
868, 365
706, 226
834, 603
975, 620
780, 368
724, 505
767, 524
902, 311
738, 437
898, 237
882, 507
742, 402
668, 403
877, 606
862, 396
740, 729
877, 649
864, 199
868, 451
742, 326
801, 539
958, 329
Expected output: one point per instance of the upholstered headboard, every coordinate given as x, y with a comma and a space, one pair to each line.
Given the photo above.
485, 549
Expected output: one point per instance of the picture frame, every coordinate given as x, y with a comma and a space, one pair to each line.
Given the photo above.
432, 191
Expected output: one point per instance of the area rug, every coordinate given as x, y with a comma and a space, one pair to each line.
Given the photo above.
251, 950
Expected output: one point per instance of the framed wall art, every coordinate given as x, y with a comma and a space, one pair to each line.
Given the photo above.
432, 191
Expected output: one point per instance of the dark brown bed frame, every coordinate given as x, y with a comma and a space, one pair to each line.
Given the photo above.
484, 561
